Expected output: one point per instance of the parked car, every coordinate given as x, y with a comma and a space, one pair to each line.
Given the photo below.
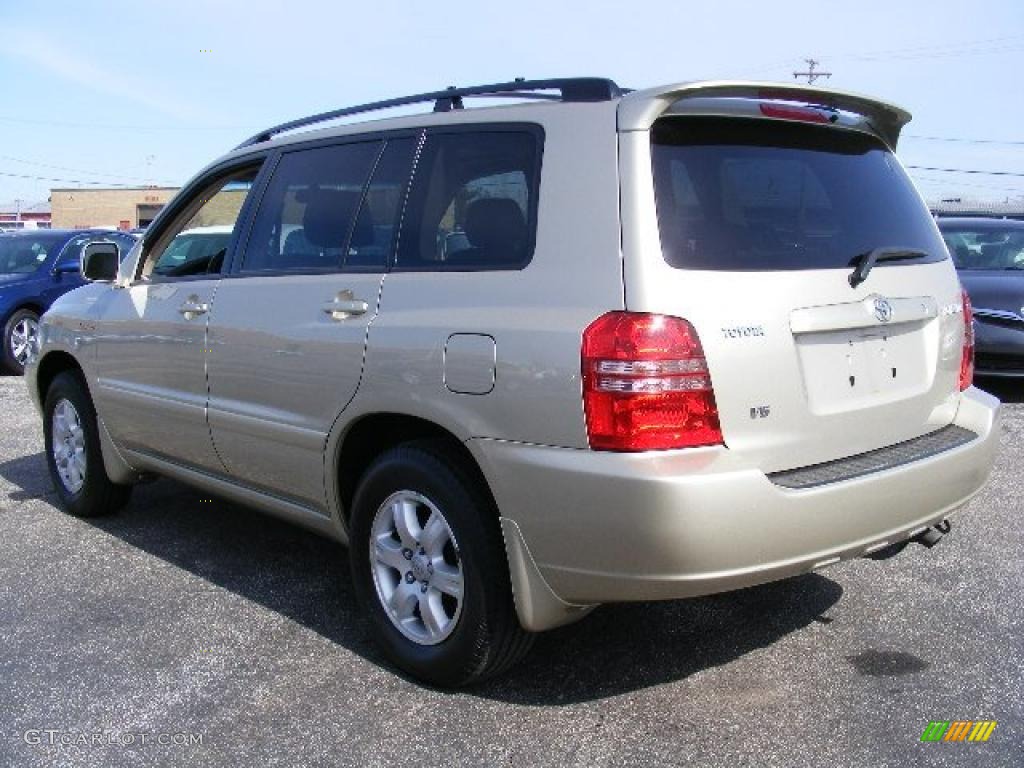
989, 257
591, 347
36, 267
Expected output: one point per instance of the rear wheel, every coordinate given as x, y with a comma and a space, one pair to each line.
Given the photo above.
429, 567
21, 332
71, 435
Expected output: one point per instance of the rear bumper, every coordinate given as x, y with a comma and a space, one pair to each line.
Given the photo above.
605, 527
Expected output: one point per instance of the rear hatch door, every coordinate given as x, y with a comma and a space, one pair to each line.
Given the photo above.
761, 223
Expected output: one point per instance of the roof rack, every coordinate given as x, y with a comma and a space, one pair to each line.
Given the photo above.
569, 88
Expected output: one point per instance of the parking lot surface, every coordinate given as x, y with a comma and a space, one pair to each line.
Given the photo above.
191, 631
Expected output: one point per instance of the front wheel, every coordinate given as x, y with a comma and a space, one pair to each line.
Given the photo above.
71, 436
429, 566
21, 333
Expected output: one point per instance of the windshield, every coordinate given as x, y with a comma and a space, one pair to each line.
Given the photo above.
22, 254
985, 248
736, 194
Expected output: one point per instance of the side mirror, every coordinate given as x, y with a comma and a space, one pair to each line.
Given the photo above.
100, 262
68, 267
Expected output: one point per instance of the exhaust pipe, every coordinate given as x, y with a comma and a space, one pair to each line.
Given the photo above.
927, 538
932, 536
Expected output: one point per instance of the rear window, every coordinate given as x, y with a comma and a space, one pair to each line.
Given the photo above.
770, 195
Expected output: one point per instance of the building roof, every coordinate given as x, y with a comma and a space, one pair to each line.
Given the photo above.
115, 189
967, 207
12, 207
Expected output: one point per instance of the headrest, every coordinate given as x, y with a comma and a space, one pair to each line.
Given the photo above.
496, 224
328, 215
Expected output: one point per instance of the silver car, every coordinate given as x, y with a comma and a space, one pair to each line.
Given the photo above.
592, 345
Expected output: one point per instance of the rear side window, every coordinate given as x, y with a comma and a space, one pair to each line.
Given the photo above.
766, 195
473, 204
305, 219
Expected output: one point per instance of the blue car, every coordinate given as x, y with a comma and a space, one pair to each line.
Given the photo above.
36, 267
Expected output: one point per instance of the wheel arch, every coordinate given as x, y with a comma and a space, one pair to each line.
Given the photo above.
538, 608
30, 304
49, 367
52, 365
371, 434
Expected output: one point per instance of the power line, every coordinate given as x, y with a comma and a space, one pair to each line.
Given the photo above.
71, 181
941, 50
109, 127
965, 170
950, 54
1004, 44
950, 185
73, 170
965, 141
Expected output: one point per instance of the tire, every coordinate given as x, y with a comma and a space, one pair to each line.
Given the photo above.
20, 333
76, 466
482, 636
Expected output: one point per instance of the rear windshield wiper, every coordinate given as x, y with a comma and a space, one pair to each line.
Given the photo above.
863, 263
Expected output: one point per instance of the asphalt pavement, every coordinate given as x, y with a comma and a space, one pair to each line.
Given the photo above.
191, 631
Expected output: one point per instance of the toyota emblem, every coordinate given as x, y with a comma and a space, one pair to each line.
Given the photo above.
883, 310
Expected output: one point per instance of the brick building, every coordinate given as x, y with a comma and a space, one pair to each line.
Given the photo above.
21, 215
120, 208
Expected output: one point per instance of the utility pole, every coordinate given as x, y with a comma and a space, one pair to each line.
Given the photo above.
811, 74
17, 210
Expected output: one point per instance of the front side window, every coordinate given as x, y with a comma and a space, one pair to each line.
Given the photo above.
305, 221
737, 194
198, 241
473, 202
994, 247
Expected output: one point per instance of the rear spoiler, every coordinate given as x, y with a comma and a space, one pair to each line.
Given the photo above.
639, 109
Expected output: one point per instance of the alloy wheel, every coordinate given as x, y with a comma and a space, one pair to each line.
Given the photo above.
68, 445
23, 339
416, 567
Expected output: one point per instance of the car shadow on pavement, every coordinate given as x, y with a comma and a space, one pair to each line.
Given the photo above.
28, 477
629, 646
304, 577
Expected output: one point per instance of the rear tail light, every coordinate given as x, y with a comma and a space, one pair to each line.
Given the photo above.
967, 356
646, 384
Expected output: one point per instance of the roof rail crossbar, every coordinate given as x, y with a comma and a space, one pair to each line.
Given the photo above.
570, 89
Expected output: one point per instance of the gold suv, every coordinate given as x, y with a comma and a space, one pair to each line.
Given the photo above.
590, 345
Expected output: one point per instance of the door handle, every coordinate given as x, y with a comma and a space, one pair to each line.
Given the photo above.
345, 305
193, 307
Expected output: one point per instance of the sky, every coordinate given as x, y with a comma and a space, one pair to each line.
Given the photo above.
122, 92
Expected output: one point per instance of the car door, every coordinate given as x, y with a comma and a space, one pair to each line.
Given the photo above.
151, 334
288, 331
